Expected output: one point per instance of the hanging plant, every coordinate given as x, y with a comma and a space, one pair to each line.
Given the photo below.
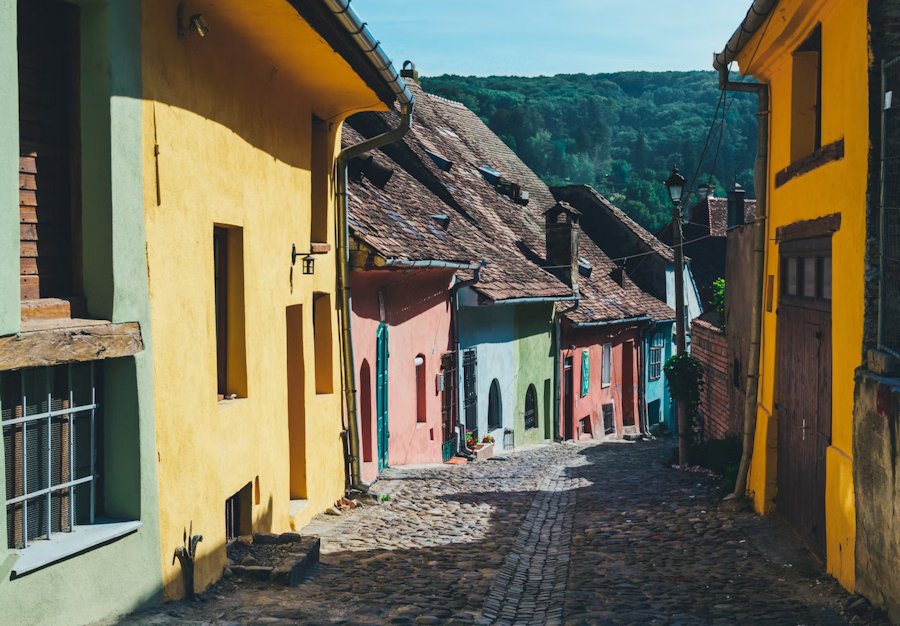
684, 374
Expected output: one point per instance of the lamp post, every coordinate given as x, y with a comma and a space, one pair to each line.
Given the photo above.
675, 186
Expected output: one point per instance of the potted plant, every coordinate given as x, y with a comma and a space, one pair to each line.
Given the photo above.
485, 449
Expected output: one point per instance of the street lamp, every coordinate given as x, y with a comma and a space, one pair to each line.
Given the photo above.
675, 186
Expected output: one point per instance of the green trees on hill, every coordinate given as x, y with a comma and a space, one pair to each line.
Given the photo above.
620, 133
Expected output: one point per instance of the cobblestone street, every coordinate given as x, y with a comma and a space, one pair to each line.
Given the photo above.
565, 534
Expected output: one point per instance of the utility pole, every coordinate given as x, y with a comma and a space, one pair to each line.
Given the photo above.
675, 185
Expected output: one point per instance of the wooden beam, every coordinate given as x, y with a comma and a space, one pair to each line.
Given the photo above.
48, 343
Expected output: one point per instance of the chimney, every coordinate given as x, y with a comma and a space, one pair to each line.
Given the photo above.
736, 206
409, 70
617, 274
562, 232
705, 191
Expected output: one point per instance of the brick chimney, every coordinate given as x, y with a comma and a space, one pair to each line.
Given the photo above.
736, 206
562, 232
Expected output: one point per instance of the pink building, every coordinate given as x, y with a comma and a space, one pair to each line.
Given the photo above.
602, 361
409, 310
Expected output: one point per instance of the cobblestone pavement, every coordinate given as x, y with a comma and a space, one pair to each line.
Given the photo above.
561, 534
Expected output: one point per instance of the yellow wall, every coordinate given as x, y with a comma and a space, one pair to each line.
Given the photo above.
233, 121
838, 187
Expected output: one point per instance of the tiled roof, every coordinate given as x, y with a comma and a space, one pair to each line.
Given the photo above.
443, 166
586, 198
489, 225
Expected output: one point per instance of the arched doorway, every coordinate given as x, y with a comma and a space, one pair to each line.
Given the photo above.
495, 415
531, 410
365, 409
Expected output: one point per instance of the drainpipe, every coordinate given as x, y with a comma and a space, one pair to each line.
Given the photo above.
343, 258
557, 353
454, 324
760, 228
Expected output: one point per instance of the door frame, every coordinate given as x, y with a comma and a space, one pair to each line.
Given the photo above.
381, 395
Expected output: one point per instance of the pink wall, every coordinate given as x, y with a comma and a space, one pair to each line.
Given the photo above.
416, 307
574, 342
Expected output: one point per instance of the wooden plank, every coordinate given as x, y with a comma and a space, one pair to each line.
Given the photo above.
27, 197
29, 288
27, 181
826, 154
27, 164
28, 215
69, 344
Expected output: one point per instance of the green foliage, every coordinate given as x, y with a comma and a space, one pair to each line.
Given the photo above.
620, 133
684, 373
722, 456
718, 300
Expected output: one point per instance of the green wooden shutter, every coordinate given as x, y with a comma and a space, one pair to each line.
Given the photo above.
585, 372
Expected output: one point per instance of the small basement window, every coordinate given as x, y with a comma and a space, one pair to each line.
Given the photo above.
238, 513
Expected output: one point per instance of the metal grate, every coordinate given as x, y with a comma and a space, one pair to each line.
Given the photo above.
889, 311
531, 416
656, 349
470, 390
48, 416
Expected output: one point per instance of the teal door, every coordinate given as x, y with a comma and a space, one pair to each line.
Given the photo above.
381, 394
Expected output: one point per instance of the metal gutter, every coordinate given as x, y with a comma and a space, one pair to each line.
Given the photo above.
627, 320
433, 263
754, 20
371, 48
354, 476
575, 298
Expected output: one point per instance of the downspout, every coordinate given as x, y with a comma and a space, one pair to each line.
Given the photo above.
557, 353
759, 268
454, 323
343, 258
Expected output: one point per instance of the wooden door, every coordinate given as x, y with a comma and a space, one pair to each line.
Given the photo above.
803, 387
628, 420
568, 399
381, 394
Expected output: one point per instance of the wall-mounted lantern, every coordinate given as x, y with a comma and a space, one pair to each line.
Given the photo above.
309, 261
194, 24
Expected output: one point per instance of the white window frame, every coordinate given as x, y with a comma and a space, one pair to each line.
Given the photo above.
657, 344
606, 366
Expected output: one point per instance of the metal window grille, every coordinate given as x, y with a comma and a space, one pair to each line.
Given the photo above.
889, 284
609, 420
470, 389
531, 416
49, 418
656, 349
495, 419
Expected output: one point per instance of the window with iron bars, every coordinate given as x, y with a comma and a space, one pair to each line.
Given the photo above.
889, 284
657, 342
50, 420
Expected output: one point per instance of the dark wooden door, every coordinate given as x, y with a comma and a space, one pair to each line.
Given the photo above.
803, 387
628, 385
568, 399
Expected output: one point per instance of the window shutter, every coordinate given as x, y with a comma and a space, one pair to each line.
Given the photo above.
585, 372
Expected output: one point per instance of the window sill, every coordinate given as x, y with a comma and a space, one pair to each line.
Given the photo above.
225, 405
825, 154
62, 546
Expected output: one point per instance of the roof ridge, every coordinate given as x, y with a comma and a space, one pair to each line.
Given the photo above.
455, 103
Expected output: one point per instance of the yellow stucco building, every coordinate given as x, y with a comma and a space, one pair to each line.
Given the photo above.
814, 57
242, 110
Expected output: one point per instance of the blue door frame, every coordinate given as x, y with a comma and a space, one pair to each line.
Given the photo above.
381, 394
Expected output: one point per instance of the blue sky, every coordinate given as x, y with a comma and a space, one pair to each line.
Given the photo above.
534, 37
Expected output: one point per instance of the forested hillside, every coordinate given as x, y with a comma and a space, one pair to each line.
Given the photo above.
619, 132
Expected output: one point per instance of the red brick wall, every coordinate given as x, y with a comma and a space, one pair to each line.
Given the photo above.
709, 346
